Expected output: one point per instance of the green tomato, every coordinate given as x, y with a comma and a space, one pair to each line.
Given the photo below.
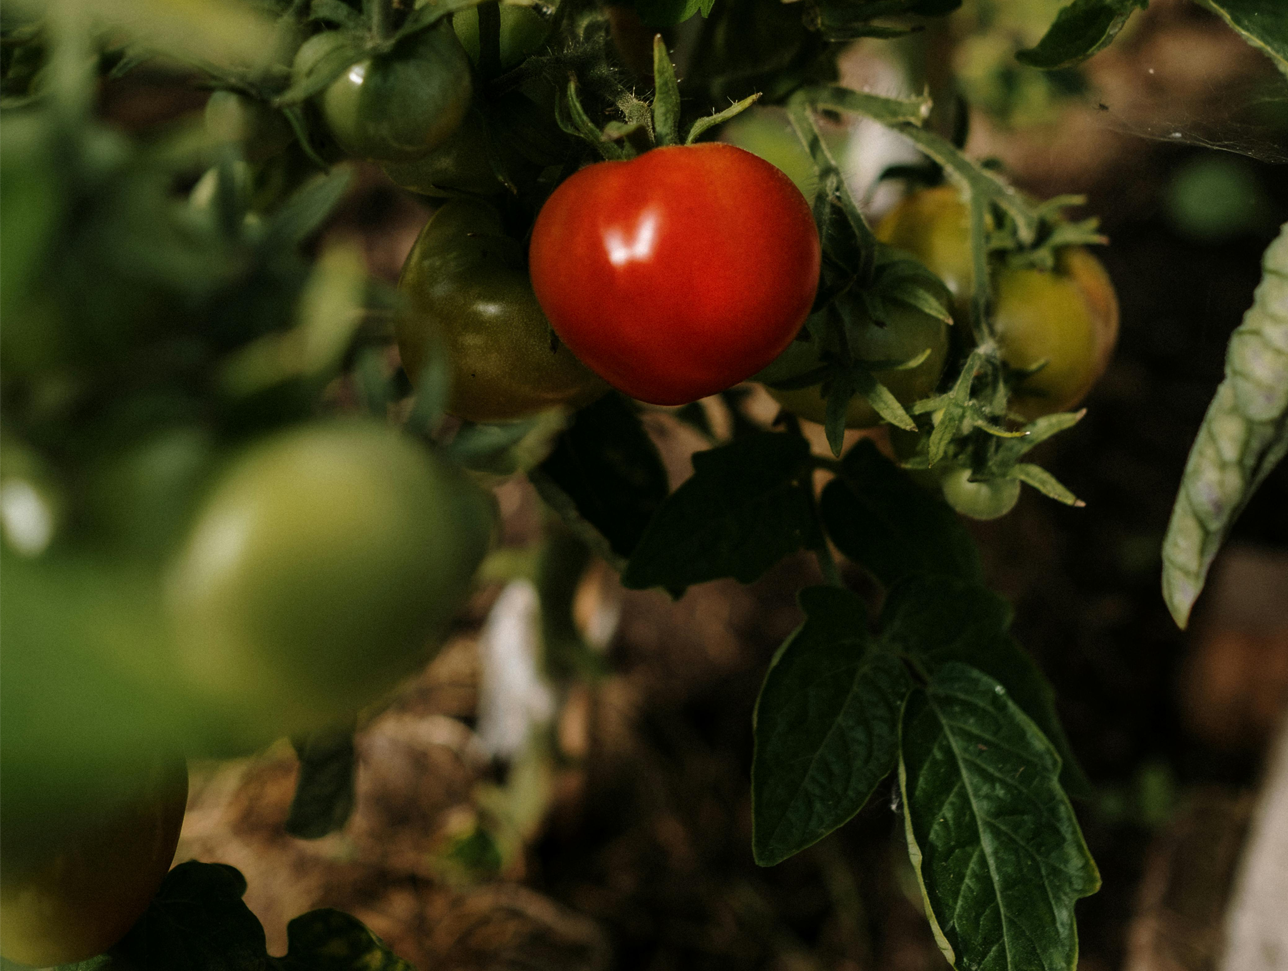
459, 165
907, 334
1065, 320
984, 499
77, 876
468, 294
398, 106
326, 564
523, 31
934, 226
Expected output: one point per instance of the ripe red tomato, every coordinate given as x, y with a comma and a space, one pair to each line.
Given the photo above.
679, 273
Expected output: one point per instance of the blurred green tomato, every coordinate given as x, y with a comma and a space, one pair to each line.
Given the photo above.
523, 31
397, 106
325, 565
767, 132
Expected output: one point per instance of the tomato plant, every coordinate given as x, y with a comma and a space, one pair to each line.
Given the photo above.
397, 106
522, 31
77, 878
468, 294
679, 273
908, 334
324, 565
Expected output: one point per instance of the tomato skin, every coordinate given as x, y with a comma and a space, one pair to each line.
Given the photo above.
523, 30
460, 164
906, 334
325, 564
986, 499
1067, 318
679, 273
76, 880
934, 226
397, 106
469, 293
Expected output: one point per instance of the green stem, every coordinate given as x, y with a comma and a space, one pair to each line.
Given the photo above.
382, 19
489, 39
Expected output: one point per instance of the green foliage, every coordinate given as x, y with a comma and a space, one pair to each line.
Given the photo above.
1080, 30
1244, 435
604, 477
1262, 23
198, 922
991, 834
748, 504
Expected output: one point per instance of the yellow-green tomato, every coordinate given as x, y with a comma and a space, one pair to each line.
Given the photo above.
907, 334
523, 31
397, 106
76, 879
468, 294
982, 499
1066, 320
934, 226
326, 563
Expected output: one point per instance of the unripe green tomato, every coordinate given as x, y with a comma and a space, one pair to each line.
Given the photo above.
460, 164
261, 131
907, 333
326, 564
523, 31
78, 877
934, 226
1067, 318
398, 106
986, 499
468, 294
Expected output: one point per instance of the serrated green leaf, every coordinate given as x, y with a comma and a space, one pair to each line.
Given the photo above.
887, 111
941, 620
324, 789
992, 836
879, 397
748, 504
826, 726
668, 13
877, 517
1244, 435
1080, 30
1262, 23
328, 940
604, 477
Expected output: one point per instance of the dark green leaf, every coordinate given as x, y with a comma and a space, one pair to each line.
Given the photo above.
995, 843
879, 518
747, 506
1262, 23
942, 620
604, 476
197, 922
305, 211
825, 726
324, 791
1244, 435
328, 940
1080, 30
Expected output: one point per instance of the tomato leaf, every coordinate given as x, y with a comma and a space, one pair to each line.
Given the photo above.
668, 13
1244, 435
506, 448
666, 96
826, 726
942, 620
197, 922
992, 836
1080, 30
1046, 483
328, 940
880, 519
1262, 23
748, 504
604, 477
324, 790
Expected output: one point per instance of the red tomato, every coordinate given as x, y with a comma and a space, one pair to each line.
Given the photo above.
679, 273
